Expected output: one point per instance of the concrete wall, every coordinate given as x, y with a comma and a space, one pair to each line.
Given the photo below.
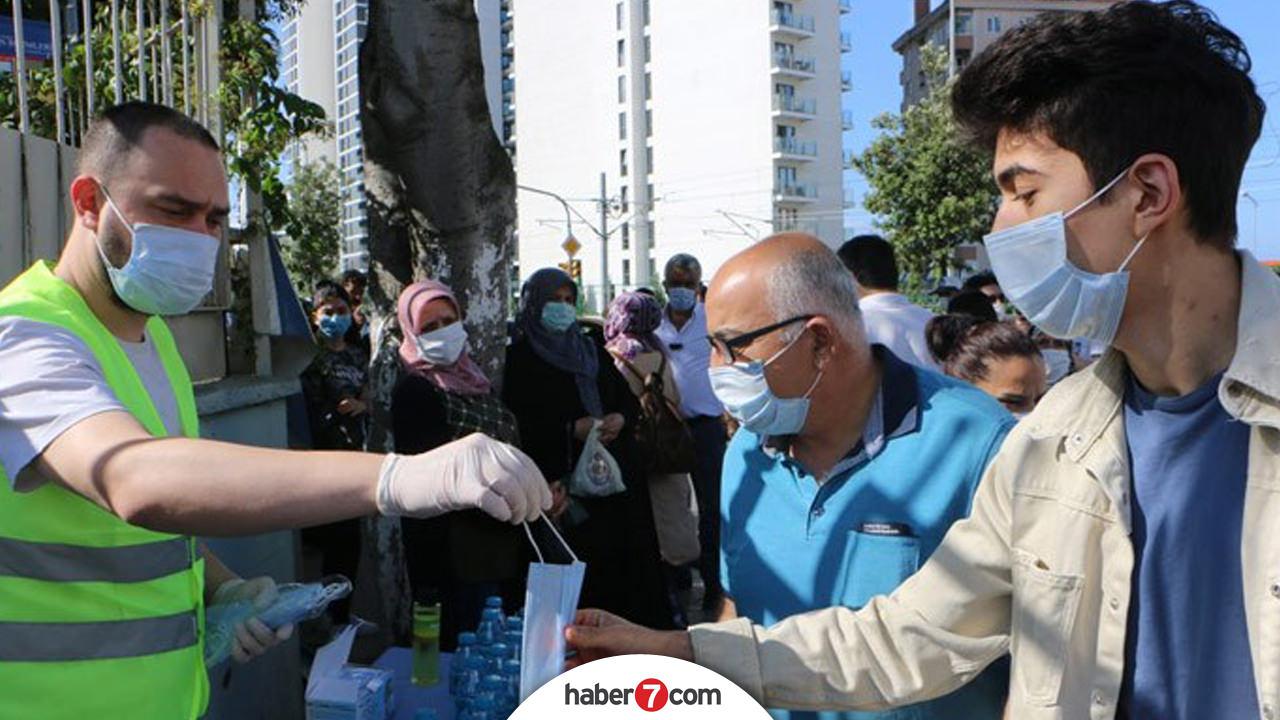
251, 411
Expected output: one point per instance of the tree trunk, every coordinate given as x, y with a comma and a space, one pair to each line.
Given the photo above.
441, 196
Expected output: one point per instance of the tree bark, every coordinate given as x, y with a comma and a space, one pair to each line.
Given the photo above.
441, 194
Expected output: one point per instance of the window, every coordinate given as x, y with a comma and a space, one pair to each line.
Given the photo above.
649, 190
648, 123
622, 126
626, 205
648, 55
622, 163
646, 12
648, 158
626, 266
622, 88
653, 266
626, 236
964, 22
786, 176
785, 132
619, 12
648, 87
993, 24
622, 53
784, 91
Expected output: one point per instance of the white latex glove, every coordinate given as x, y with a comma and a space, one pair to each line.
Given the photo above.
252, 637
474, 472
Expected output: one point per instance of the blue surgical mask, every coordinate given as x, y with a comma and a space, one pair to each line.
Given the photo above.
744, 391
682, 299
558, 317
1061, 299
1057, 364
169, 270
334, 326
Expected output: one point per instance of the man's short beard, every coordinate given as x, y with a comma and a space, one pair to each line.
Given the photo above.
115, 246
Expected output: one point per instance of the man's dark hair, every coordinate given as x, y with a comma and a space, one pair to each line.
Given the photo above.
979, 281
121, 128
974, 304
355, 276
685, 263
1114, 84
965, 346
871, 260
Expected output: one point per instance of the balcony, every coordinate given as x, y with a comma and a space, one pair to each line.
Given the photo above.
790, 148
846, 121
791, 24
846, 81
784, 224
794, 192
505, 16
846, 6
846, 42
794, 107
790, 65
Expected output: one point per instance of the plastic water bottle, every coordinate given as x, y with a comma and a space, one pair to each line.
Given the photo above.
497, 652
465, 650
514, 639
511, 673
491, 626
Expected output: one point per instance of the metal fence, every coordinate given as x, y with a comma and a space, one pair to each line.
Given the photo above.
172, 58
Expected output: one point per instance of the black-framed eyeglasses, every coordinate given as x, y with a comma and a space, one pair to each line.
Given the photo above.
729, 348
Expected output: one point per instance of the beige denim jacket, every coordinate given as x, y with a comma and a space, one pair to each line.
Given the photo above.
1041, 569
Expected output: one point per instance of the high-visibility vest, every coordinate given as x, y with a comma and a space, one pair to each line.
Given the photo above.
98, 618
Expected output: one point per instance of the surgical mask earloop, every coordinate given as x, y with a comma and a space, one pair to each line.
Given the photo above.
529, 534
1096, 195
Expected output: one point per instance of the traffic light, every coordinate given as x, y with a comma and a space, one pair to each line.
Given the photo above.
574, 268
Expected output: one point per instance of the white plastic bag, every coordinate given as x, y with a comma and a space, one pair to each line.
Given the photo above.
597, 473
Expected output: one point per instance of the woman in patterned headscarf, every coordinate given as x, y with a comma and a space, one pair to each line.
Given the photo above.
559, 383
461, 558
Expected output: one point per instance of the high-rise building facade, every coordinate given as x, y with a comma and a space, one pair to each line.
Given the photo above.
976, 24
712, 124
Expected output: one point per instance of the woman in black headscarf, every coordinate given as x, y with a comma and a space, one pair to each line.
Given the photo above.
559, 383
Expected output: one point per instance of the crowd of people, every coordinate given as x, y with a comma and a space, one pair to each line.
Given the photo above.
969, 513
639, 381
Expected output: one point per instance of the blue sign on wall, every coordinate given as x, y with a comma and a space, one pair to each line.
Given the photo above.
37, 40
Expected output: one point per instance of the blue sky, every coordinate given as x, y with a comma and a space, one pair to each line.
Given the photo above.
875, 24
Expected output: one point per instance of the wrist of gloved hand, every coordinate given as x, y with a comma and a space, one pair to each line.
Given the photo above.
475, 472
252, 637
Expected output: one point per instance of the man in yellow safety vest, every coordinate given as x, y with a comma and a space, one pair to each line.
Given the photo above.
103, 477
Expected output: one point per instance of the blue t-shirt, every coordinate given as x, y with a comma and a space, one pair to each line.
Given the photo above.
790, 545
1187, 646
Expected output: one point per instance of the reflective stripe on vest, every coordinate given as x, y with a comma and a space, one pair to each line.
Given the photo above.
63, 642
98, 618
58, 562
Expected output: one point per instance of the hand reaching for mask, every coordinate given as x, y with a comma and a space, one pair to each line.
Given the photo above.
474, 472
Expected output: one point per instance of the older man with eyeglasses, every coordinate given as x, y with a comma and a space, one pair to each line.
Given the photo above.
850, 464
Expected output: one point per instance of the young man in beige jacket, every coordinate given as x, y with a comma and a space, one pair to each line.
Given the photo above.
1124, 545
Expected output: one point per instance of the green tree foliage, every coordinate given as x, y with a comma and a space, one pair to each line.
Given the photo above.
260, 119
929, 191
313, 231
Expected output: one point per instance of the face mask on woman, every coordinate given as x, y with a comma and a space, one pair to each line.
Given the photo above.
442, 346
558, 316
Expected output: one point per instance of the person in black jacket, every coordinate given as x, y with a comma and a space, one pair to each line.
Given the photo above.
461, 558
559, 383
